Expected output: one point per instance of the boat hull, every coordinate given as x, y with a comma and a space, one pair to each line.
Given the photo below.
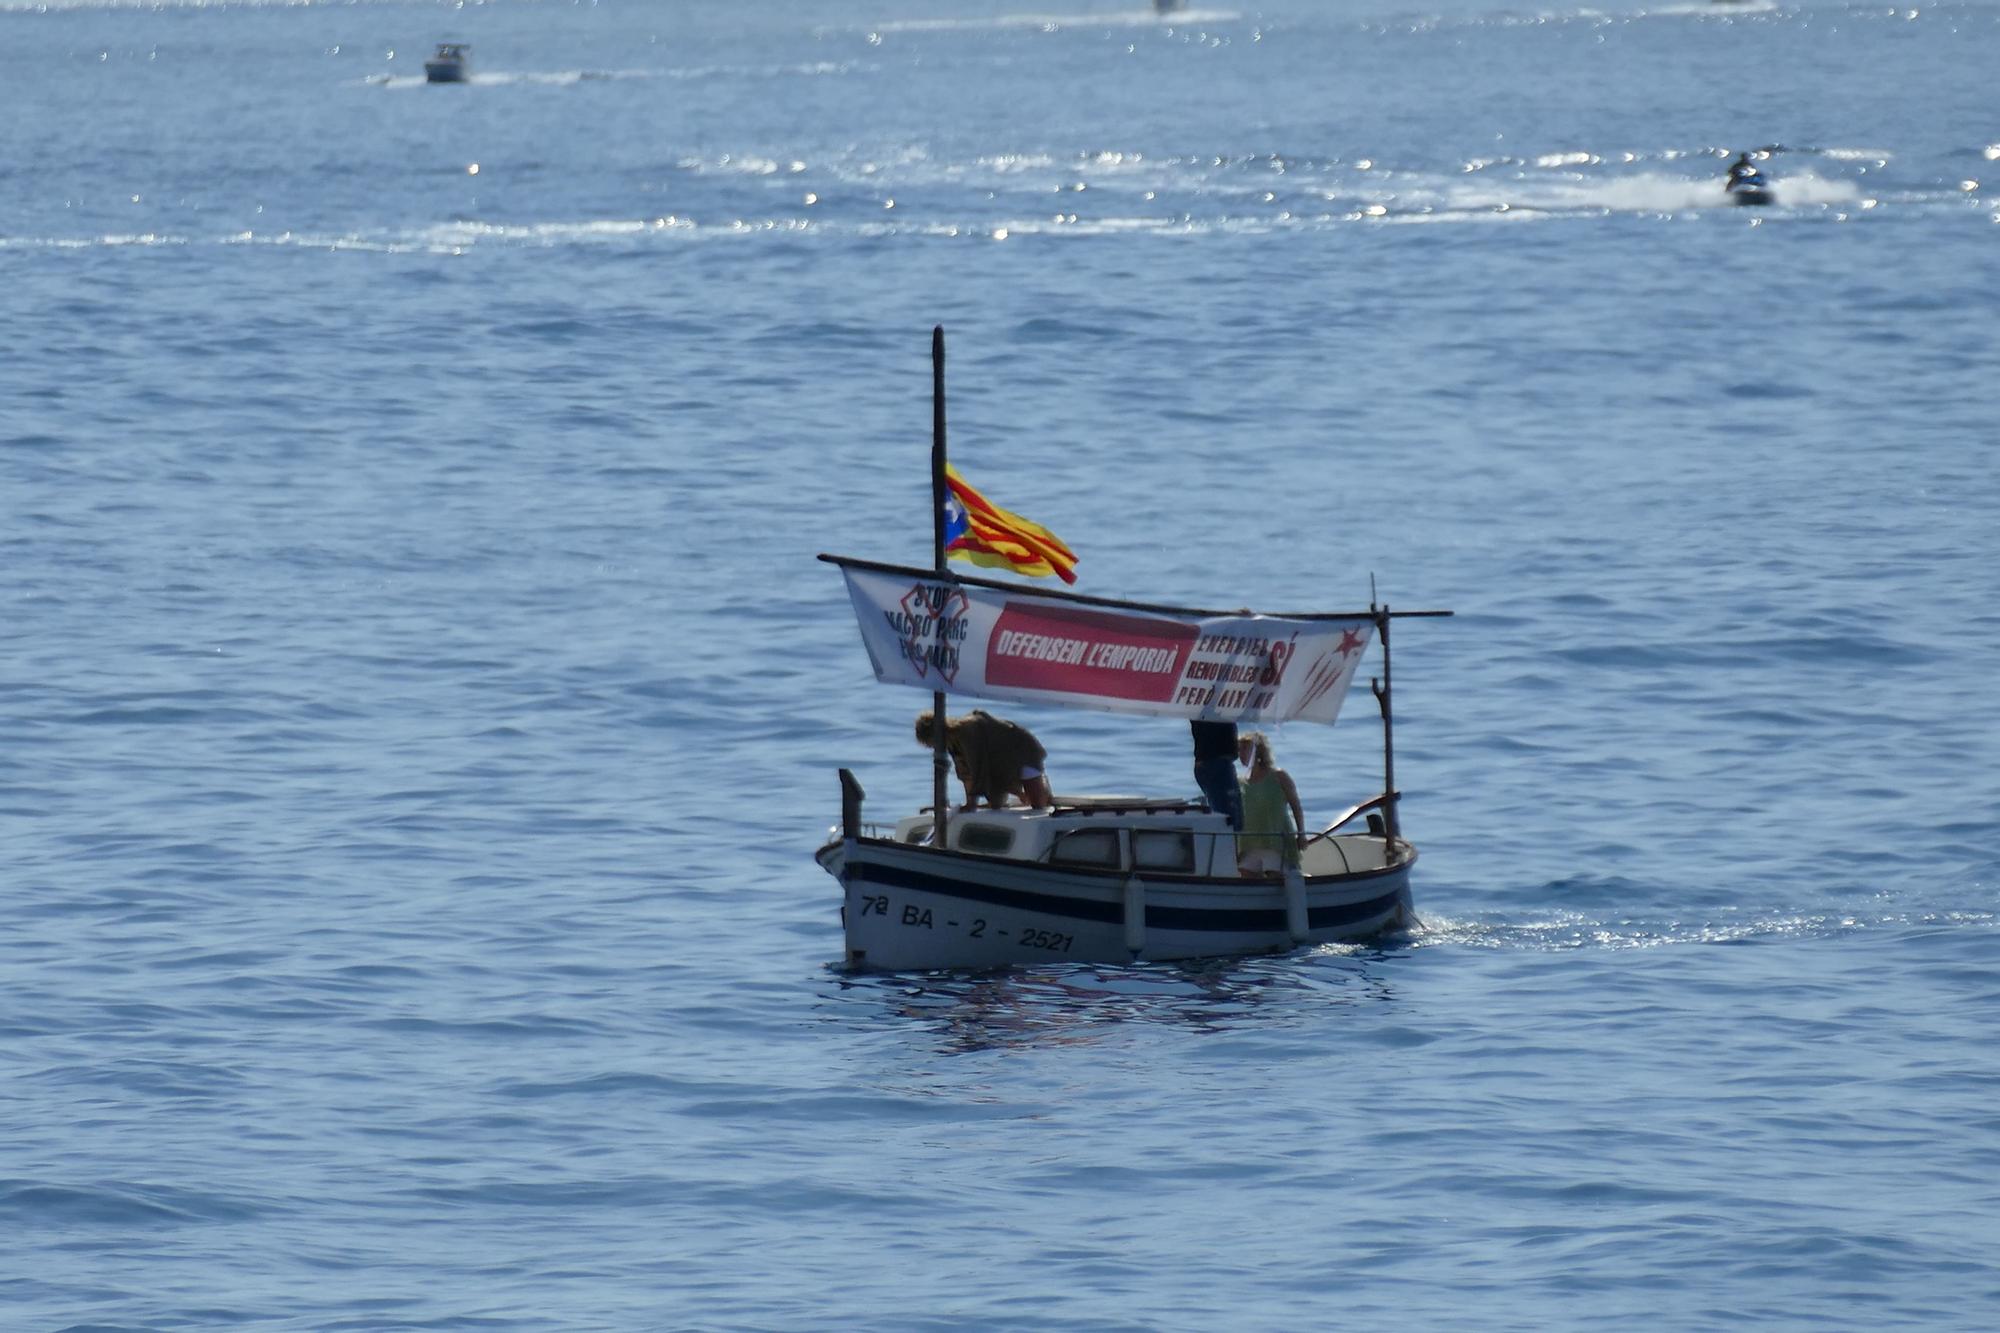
917, 908
1752, 195
444, 71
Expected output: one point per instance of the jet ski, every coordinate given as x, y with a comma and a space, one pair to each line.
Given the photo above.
1752, 189
1748, 185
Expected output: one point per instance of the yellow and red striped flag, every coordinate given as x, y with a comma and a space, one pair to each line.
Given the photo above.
977, 530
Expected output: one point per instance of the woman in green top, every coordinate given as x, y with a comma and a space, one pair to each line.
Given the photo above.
1272, 816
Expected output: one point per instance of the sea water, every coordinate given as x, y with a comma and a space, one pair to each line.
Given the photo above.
420, 701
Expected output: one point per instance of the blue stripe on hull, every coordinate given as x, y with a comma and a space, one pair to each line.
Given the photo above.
896, 877
1259, 921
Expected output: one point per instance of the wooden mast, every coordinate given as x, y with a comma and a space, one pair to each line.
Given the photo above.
938, 764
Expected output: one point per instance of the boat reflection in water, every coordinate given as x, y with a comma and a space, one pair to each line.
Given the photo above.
1042, 1006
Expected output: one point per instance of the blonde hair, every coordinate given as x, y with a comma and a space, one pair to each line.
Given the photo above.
1260, 748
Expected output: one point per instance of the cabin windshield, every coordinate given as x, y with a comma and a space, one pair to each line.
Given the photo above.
1086, 847
985, 839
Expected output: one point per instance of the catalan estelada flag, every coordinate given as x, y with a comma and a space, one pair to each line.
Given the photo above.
980, 531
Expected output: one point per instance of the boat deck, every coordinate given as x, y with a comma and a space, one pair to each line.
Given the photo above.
1159, 837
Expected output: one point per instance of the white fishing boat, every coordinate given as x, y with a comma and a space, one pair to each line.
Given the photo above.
1104, 878
450, 63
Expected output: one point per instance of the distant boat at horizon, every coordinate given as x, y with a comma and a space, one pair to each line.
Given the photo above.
450, 63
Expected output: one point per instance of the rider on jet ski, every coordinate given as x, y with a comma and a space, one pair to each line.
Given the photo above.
1743, 173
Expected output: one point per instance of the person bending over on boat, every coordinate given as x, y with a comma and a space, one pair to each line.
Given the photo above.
1215, 768
993, 757
1272, 816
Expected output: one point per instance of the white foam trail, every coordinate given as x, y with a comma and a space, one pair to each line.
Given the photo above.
1400, 201
1805, 189
114, 240
743, 165
315, 241
458, 235
1646, 192
1559, 931
815, 68
79, 6
563, 78
1008, 164
1144, 18
1715, 8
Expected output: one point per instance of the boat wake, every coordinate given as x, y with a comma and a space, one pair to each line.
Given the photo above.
562, 78
114, 6
1561, 931
912, 193
1711, 9
566, 78
1042, 1004
1136, 18
1575, 193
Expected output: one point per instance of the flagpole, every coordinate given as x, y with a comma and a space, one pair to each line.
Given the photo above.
1392, 824
939, 805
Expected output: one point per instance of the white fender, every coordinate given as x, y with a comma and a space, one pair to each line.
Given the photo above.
1135, 915
1295, 904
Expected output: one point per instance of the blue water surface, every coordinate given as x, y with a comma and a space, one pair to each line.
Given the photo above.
419, 700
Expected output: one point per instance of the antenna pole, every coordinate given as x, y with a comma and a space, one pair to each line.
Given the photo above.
939, 804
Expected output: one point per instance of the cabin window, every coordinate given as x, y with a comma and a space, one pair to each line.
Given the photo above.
986, 839
1171, 850
919, 833
1086, 847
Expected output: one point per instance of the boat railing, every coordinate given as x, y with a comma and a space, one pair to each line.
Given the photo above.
1217, 854
1209, 853
1346, 866
1375, 808
1212, 855
1127, 805
1354, 812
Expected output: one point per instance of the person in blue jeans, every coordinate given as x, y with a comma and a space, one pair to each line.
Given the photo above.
1215, 768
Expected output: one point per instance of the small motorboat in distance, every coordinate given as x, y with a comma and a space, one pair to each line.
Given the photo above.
450, 63
1747, 183
1169, 6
